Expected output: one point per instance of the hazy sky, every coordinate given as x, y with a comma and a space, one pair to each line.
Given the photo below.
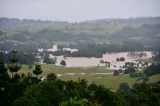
78, 10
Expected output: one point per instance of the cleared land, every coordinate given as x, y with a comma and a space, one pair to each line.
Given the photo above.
92, 75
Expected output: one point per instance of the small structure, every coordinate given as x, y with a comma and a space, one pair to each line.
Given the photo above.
53, 49
71, 50
40, 50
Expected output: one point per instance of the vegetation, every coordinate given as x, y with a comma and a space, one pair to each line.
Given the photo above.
62, 86
28, 90
98, 36
37, 71
152, 69
63, 63
90, 74
116, 72
14, 66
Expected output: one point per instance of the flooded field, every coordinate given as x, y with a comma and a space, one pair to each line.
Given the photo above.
111, 58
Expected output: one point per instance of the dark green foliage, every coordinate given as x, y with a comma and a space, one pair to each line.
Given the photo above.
51, 76
4, 84
4, 77
37, 70
105, 97
14, 66
129, 70
152, 69
135, 74
144, 95
3, 69
28, 90
124, 87
48, 61
32, 97
63, 63
116, 72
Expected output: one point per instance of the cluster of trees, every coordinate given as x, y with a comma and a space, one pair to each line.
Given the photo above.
152, 69
86, 49
120, 59
134, 73
23, 57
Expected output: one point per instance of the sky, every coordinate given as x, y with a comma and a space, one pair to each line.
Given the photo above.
78, 10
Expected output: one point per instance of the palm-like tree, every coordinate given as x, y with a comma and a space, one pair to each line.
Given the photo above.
38, 70
14, 66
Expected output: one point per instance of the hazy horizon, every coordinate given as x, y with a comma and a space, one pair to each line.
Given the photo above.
78, 10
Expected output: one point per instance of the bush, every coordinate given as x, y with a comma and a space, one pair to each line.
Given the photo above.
115, 73
152, 69
117, 59
63, 63
122, 59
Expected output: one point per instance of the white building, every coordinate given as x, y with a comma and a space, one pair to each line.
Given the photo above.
71, 50
40, 50
53, 49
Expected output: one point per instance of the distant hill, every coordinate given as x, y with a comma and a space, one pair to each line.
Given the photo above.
142, 20
95, 26
120, 33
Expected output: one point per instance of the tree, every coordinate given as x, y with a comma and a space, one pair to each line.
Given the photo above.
124, 87
117, 59
32, 97
14, 66
4, 77
144, 94
116, 72
102, 61
3, 69
75, 102
152, 69
38, 70
105, 97
47, 60
51, 76
122, 59
63, 63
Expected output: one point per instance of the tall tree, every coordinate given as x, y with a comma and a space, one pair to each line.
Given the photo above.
3, 69
14, 66
38, 70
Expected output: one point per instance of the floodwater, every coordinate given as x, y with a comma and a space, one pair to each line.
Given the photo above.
109, 57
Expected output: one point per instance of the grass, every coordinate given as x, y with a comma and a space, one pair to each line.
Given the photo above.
111, 81
62, 70
108, 81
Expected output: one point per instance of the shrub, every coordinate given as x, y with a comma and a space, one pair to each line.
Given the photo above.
116, 72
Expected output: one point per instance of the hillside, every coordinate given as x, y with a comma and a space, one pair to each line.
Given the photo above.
104, 35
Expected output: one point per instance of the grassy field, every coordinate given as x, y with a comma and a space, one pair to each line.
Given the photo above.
90, 74
62, 70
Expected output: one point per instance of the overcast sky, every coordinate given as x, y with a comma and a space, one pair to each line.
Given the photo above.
78, 10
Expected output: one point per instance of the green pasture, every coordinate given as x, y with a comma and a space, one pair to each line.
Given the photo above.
92, 75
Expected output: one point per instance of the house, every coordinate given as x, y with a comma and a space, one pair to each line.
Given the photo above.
53, 49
